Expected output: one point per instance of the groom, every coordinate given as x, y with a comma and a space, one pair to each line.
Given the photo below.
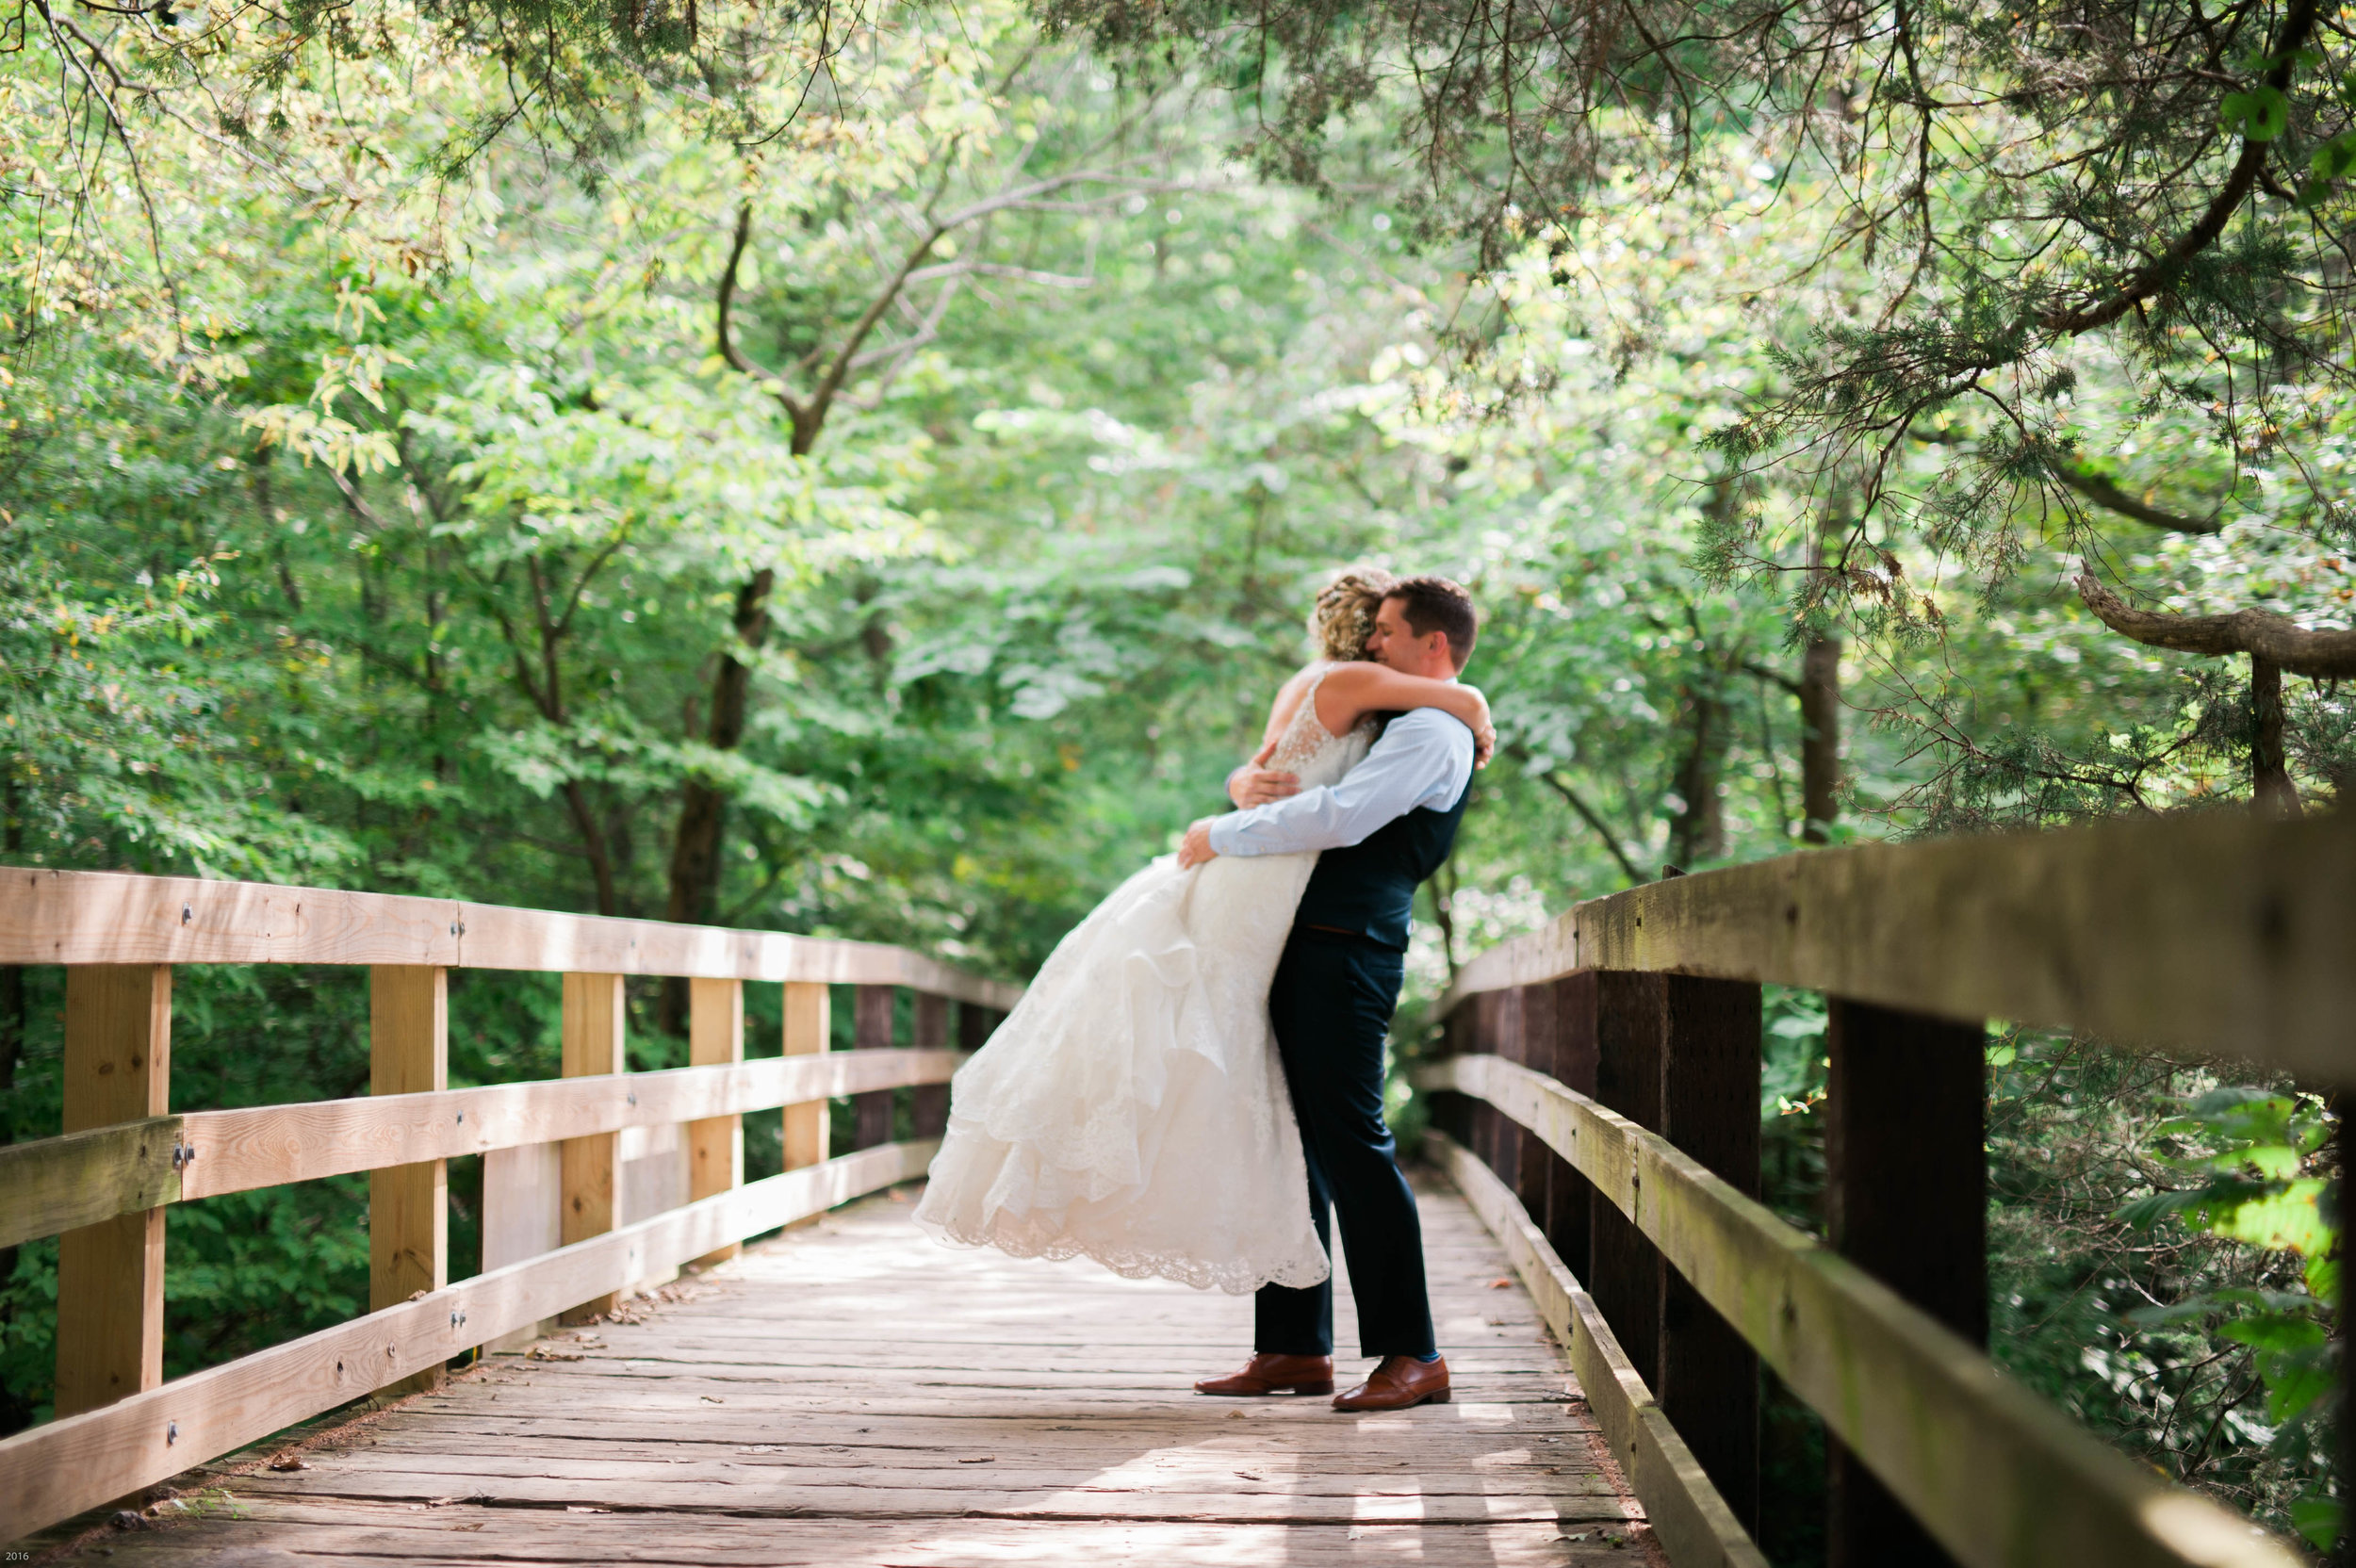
1383, 828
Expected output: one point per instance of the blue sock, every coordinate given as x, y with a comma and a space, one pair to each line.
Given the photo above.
1430, 1359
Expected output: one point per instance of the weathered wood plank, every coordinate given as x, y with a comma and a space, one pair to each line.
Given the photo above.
61, 917
1696, 1525
56, 1471
2002, 1479
128, 1166
595, 1010
1054, 1396
716, 1145
807, 1030
408, 1205
110, 1275
2219, 933
871, 1008
336, 1534
1905, 1200
54, 1184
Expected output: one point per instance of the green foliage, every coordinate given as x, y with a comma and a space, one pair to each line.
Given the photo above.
388, 516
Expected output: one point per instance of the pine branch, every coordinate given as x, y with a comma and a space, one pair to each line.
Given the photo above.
2260, 634
2109, 496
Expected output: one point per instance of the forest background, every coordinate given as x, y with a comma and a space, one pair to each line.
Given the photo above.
864, 475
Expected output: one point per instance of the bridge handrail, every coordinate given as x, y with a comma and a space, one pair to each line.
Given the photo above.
2211, 935
2002, 1479
2218, 933
54, 1184
81, 1461
83, 917
121, 936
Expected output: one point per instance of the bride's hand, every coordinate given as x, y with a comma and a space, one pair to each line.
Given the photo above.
1196, 847
1484, 732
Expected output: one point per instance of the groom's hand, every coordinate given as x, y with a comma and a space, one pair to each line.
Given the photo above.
1196, 847
1251, 785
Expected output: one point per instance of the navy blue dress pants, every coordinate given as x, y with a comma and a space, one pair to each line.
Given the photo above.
1332, 1004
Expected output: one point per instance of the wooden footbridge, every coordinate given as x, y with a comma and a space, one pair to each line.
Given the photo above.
845, 1393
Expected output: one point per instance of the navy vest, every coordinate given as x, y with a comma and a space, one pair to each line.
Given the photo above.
1370, 889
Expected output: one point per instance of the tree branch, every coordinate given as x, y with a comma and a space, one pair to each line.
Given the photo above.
1587, 815
2109, 496
728, 351
2298, 20
2260, 634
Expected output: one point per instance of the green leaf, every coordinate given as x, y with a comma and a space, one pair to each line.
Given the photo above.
2260, 114
2288, 1220
2275, 1330
2323, 1279
2337, 158
2298, 1381
2319, 1518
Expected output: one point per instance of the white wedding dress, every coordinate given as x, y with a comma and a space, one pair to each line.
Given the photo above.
1131, 1108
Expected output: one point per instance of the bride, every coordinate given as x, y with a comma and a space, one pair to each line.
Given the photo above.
1131, 1107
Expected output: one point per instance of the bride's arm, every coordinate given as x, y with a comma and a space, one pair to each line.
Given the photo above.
1255, 783
1350, 692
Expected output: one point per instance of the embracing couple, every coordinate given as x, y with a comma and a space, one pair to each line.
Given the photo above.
1194, 1081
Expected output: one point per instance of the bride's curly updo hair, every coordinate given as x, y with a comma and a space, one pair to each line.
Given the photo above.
1345, 612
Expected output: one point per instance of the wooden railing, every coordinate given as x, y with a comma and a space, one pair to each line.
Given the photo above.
571, 1218
1599, 1103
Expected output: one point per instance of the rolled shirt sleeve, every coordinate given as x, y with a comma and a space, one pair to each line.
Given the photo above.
1424, 758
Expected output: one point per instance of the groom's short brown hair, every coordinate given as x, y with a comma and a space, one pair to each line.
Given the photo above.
1433, 604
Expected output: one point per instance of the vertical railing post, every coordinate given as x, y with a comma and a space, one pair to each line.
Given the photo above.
1534, 1041
1571, 1018
1625, 1267
1708, 1375
871, 1030
1504, 1022
110, 1275
974, 1022
408, 1205
1907, 1200
932, 1033
808, 1028
1488, 1123
715, 1146
593, 1012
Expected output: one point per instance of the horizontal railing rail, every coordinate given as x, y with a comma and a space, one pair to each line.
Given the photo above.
572, 1219
74, 917
1634, 1127
54, 1184
2213, 935
2000, 1478
1691, 1520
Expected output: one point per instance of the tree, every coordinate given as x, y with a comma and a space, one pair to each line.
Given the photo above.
2053, 228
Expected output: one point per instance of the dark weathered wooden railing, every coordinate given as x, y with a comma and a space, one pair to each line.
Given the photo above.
1609, 1073
571, 1219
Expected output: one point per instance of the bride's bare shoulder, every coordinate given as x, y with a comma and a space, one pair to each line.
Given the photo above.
1289, 697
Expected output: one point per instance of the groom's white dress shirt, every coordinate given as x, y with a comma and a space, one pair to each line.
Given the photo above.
1424, 758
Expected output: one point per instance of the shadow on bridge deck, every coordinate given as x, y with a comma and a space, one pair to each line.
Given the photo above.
851, 1395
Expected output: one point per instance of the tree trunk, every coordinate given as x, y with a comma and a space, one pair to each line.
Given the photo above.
695, 851
1820, 704
1699, 832
1820, 738
2270, 769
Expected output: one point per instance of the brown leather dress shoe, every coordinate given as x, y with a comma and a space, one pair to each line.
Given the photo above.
1401, 1382
1269, 1374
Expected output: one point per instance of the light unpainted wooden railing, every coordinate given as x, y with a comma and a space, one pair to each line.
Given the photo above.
576, 1222
1601, 1101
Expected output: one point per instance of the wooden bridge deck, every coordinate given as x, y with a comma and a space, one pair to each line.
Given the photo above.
850, 1393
